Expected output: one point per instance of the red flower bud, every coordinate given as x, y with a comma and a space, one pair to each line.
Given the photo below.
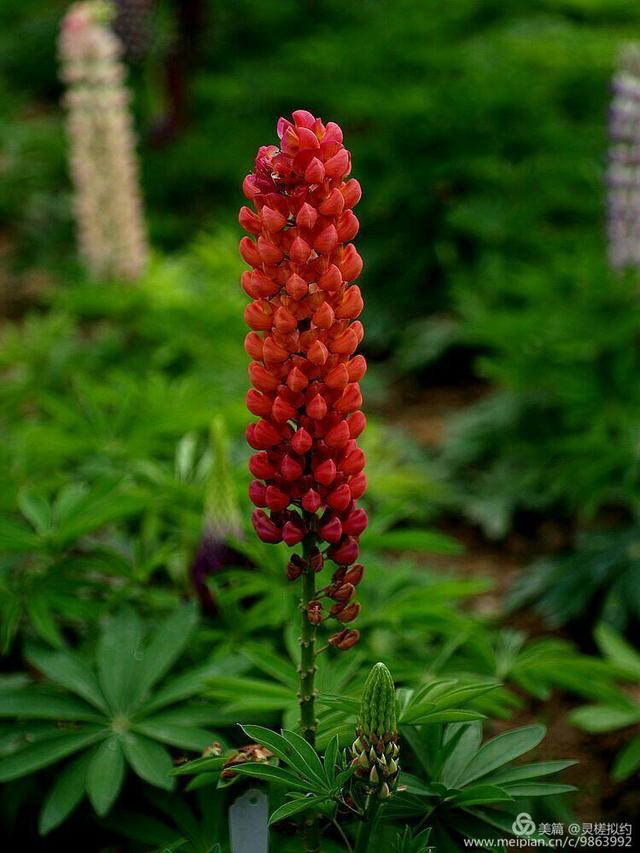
331, 279
325, 473
314, 173
355, 523
301, 441
265, 528
276, 499
258, 404
311, 501
340, 498
293, 532
291, 469
296, 287
257, 493
346, 551
317, 407
348, 613
273, 220
314, 612
332, 530
260, 466
344, 639
338, 435
354, 574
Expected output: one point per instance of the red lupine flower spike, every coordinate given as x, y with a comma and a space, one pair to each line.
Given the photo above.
303, 341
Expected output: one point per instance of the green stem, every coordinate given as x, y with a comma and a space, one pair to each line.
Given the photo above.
306, 695
366, 827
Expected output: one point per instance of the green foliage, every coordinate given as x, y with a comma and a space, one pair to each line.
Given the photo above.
599, 580
620, 710
560, 433
466, 788
119, 710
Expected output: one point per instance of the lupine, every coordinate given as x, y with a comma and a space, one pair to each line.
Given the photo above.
623, 174
305, 372
375, 750
111, 232
305, 375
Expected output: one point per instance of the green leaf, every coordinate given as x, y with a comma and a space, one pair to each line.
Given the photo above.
295, 807
65, 794
537, 789
165, 646
468, 743
36, 703
119, 658
478, 795
185, 737
207, 764
618, 651
35, 508
43, 620
16, 537
274, 665
47, 752
69, 671
628, 760
275, 742
188, 684
304, 757
528, 771
604, 718
270, 773
331, 758
500, 750
150, 761
105, 775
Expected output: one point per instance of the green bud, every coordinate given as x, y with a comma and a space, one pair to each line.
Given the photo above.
378, 705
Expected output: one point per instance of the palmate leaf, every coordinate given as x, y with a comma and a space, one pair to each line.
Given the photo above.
191, 683
296, 807
105, 775
605, 718
48, 751
499, 751
271, 773
69, 671
42, 704
165, 646
523, 772
185, 737
481, 795
150, 761
119, 659
65, 795
627, 761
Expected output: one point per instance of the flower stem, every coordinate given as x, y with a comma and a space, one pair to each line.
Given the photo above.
366, 828
306, 695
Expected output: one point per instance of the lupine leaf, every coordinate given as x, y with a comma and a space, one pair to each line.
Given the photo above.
479, 795
65, 794
105, 775
207, 764
165, 646
604, 718
305, 756
295, 807
150, 761
70, 672
119, 659
275, 742
185, 737
527, 771
627, 761
537, 789
271, 773
39, 704
331, 758
500, 750
47, 752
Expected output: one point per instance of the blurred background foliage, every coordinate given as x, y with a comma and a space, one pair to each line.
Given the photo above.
478, 132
